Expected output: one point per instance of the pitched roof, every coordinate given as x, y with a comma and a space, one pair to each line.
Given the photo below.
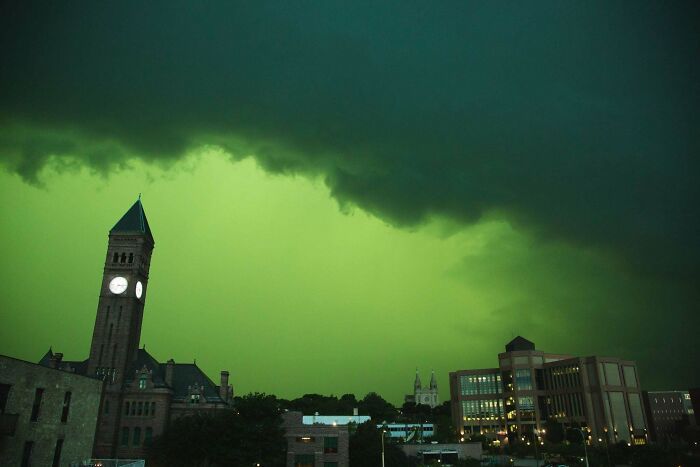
46, 359
519, 343
74, 366
133, 222
144, 359
189, 374
184, 375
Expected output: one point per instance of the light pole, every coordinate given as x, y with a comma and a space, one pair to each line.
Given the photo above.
382, 433
607, 452
583, 438
537, 441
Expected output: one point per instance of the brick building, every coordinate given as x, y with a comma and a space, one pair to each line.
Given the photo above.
141, 395
47, 417
599, 395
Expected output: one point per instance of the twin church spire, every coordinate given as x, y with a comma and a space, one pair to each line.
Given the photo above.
433, 381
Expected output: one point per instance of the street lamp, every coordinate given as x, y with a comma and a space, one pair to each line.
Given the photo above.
583, 438
382, 434
607, 451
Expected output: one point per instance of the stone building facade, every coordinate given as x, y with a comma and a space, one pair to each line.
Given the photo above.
141, 395
48, 417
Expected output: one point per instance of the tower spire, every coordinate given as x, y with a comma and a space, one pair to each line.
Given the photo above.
433, 382
133, 222
416, 383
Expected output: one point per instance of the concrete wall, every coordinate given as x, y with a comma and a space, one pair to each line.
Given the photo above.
78, 432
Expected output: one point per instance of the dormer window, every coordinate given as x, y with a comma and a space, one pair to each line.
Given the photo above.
142, 382
194, 399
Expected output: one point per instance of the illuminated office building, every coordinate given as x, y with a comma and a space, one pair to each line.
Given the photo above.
599, 395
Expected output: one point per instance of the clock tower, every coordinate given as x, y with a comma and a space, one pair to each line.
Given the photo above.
115, 338
123, 292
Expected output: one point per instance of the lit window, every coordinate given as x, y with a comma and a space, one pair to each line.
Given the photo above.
142, 382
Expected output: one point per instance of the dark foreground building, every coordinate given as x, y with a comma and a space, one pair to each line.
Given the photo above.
316, 443
599, 395
47, 416
669, 414
141, 394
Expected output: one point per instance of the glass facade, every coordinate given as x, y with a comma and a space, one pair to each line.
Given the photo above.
630, 376
612, 374
635, 403
483, 409
472, 385
619, 415
526, 408
523, 379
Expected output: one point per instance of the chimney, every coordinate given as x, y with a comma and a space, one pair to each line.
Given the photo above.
56, 360
169, 370
223, 388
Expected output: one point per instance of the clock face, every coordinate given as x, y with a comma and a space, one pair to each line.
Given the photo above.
118, 285
139, 289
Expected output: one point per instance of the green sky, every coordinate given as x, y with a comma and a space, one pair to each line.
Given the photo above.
267, 277
341, 192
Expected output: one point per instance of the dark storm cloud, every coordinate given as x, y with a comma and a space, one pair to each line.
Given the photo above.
577, 120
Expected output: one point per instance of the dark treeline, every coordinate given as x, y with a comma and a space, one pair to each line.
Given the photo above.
371, 404
251, 431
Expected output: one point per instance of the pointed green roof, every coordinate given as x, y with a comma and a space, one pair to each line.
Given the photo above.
133, 222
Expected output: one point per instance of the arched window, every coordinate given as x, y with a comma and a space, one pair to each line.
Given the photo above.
131, 258
115, 258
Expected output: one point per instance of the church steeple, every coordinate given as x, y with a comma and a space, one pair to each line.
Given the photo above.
433, 382
416, 383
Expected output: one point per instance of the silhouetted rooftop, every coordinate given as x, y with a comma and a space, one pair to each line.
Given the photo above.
519, 343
